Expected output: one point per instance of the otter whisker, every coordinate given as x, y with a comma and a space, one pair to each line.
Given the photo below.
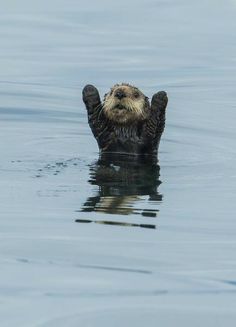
96, 109
101, 111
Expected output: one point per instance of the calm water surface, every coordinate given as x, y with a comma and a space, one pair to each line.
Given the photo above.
87, 242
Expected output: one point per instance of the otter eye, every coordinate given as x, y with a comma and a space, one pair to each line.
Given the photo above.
136, 94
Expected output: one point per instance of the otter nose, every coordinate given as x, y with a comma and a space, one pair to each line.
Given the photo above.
120, 94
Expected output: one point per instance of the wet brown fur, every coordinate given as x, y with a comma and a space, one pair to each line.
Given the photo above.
131, 108
125, 122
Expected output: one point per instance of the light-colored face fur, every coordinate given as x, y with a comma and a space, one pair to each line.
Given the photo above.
125, 104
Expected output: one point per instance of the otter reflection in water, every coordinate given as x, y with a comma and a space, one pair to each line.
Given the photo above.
122, 180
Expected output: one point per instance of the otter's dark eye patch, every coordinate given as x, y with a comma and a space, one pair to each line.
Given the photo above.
136, 94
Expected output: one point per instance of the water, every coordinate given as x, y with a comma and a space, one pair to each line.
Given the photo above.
154, 243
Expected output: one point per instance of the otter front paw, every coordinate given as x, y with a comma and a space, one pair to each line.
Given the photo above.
90, 90
159, 101
91, 98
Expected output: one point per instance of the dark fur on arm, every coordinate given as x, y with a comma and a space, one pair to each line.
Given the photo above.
96, 119
155, 124
93, 105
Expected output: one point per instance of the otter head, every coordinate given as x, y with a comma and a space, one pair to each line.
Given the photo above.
125, 104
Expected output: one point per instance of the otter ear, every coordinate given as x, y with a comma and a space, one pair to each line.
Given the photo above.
91, 98
159, 101
147, 104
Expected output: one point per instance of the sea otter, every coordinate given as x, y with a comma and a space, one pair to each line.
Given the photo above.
125, 122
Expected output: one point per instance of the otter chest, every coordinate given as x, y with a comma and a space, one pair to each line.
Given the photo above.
126, 140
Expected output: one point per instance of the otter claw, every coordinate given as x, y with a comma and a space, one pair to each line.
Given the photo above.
161, 95
89, 90
159, 100
91, 97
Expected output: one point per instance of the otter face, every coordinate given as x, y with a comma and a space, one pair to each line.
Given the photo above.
125, 104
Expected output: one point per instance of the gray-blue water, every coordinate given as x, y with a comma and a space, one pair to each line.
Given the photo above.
109, 271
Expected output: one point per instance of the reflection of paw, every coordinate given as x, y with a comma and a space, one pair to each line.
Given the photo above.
159, 100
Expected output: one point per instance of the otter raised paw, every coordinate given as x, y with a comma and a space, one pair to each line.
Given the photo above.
125, 122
